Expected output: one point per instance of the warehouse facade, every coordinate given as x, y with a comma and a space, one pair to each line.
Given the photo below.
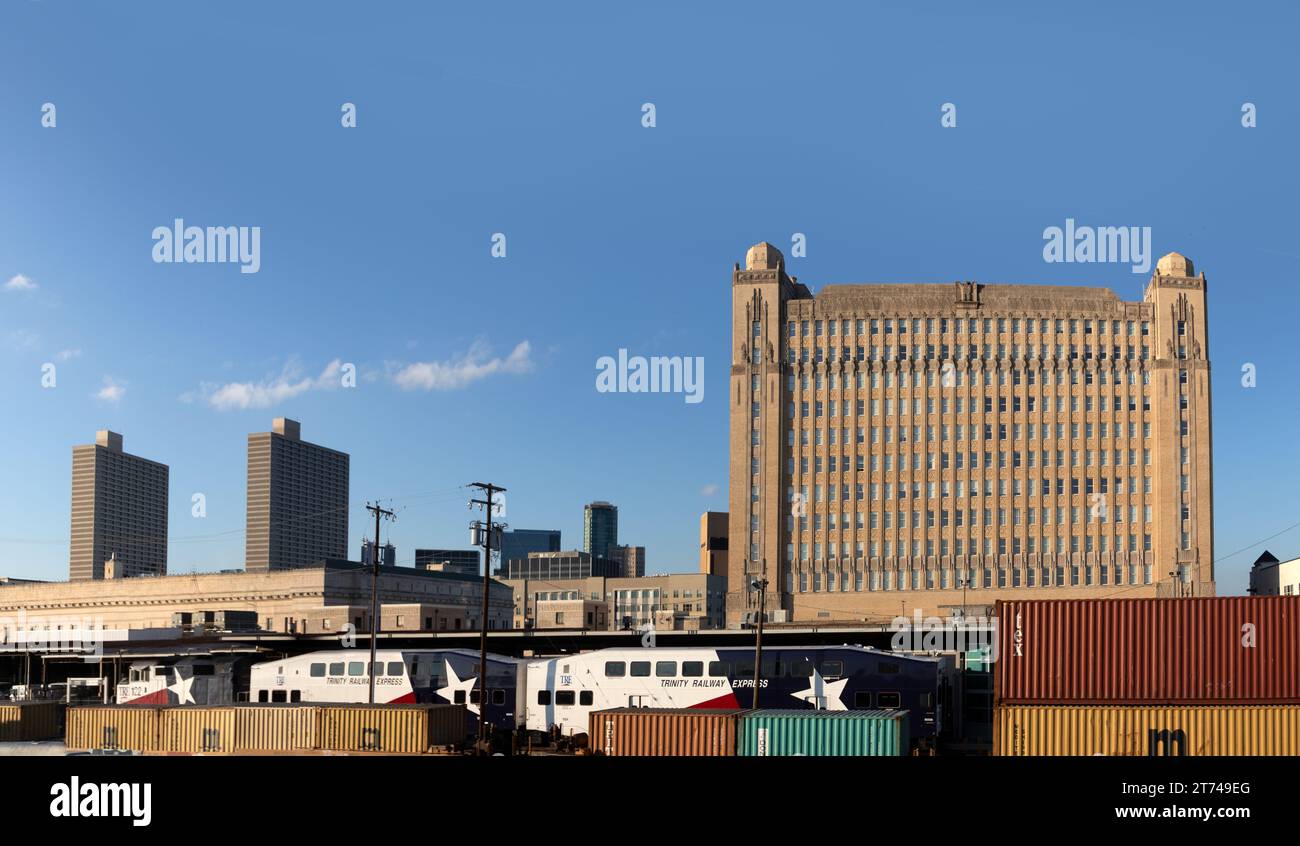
936, 447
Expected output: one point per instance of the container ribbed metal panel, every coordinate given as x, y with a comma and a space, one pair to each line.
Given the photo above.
793, 732
1178, 730
663, 732
124, 727
24, 721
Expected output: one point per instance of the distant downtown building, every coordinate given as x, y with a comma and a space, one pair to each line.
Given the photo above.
600, 529
672, 601
119, 510
892, 444
517, 543
464, 561
565, 564
631, 560
713, 543
297, 500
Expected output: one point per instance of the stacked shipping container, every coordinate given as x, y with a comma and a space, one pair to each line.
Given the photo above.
407, 729
696, 732
1102, 674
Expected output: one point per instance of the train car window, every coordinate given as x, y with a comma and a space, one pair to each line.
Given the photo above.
318, 670
262, 696
719, 669
832, 667
887, 668
771, 668
801, 668
692, 669
336, 669
396, 668
585, 697
543, 697
295, 696
498, 697
745, 669
889, 700
862, 699
356, 668
278, 696
458, 697
377, 668
666, 669
203, 670
640, 668
158, 671
564, 697
615, 669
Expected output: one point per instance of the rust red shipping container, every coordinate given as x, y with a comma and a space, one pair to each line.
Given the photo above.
1220, 650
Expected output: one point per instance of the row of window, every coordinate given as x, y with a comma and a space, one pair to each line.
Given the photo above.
946, 579
772, 668
1031, 545
946, 380
966, 325
971, 352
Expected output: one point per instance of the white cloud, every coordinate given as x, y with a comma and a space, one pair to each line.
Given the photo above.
23, 340
18, 282
111, 392
287, 384
708, 490
67, 355
460, 371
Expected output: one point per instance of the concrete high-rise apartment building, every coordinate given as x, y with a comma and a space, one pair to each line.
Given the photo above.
119, 511
297, 500
600, 529
713, 543
892, 444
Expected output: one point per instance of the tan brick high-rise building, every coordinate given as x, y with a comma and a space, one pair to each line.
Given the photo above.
939, 446
297, 512
119, 511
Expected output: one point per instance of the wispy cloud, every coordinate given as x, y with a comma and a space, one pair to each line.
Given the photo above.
460, 371
271, 390
67, 355
23, 340
18, 282
113, 391
708, 490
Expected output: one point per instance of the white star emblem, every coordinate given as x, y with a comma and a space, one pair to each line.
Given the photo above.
454, 683
182, 688
823, 694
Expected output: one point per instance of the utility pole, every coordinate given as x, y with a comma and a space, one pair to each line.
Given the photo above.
489, 491
379, 512
759, 585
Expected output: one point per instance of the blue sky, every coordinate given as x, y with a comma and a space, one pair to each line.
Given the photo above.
525, 119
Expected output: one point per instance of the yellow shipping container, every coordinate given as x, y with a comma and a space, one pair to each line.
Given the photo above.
407, 729
132, 727
24, 721
276, 728
1146, 730
196, 729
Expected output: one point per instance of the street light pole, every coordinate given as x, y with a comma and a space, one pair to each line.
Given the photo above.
490, 490
761, 586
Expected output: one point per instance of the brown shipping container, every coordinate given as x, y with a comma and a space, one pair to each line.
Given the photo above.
196, 729
408, 729
1224, 650
24, 721
663, 731
133, 727
276, 728
1146, 730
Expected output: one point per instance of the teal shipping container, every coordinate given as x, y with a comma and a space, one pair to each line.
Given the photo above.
771, 731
